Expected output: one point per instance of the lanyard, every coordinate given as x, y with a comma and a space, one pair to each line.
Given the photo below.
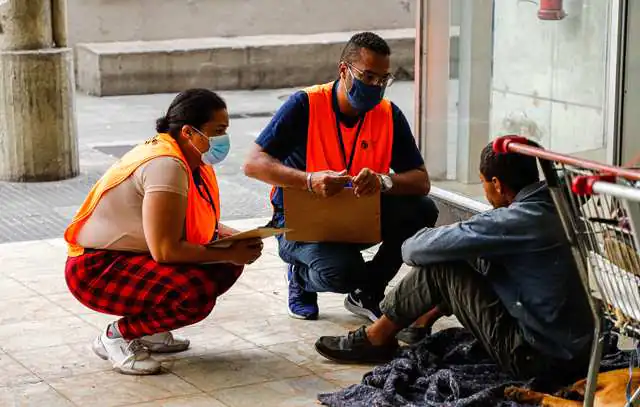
348, 164
197, 179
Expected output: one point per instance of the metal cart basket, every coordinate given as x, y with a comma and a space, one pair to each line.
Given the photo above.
599, 206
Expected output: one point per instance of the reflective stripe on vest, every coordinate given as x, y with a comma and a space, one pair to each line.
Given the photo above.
201, 218
324, 151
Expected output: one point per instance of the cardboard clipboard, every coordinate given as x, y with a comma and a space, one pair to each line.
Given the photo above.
342, 218
257, 233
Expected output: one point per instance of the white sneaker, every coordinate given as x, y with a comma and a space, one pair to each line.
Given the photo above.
128, 357
165, 342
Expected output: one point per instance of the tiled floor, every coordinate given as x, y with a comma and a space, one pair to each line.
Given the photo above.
247, 353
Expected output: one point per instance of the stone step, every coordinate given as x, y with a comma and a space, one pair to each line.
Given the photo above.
222, 63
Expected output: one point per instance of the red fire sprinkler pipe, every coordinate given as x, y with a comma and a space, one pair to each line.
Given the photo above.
551, 10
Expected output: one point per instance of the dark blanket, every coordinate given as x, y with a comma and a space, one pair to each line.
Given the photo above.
447, 369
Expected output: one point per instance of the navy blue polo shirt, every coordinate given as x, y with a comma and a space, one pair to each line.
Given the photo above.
285, 138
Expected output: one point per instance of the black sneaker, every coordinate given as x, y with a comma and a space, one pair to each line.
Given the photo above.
354, 348
413, 334
363, 305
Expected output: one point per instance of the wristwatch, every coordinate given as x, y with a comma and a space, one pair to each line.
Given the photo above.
386, 183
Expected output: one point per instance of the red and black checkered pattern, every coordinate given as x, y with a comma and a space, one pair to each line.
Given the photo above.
150, 297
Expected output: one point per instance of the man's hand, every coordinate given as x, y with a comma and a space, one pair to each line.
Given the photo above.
366, 182
245, 251
329, 183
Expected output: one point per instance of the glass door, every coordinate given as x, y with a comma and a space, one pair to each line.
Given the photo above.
629, 152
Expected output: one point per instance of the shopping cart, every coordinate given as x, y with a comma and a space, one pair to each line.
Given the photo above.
599, 206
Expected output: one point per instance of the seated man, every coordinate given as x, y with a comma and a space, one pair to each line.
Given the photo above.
325, 137
507, 274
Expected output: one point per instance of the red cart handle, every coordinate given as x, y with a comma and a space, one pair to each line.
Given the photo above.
583, 185
501, 144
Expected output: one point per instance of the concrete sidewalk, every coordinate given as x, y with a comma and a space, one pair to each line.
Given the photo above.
247, 353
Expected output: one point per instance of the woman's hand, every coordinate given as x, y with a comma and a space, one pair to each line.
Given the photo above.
245, 251
226, 231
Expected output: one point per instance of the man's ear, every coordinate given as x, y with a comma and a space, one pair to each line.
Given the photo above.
497, 185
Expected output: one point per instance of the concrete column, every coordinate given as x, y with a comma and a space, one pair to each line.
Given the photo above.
432, 81
38, 140
474, 103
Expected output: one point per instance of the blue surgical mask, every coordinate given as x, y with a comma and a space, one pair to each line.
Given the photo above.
219, 147
363, 97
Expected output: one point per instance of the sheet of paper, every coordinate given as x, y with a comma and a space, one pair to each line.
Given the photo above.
258, 233
342, 218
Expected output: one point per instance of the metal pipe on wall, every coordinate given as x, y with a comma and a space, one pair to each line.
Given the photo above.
419, 87
59, 22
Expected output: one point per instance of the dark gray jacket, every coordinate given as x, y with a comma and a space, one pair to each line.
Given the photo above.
523, 252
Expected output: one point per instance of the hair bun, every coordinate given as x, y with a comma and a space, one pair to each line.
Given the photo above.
162, 125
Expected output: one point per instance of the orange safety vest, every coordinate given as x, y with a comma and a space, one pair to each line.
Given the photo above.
201, 218
331, 149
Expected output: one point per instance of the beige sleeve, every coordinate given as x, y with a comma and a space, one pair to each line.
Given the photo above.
162, 174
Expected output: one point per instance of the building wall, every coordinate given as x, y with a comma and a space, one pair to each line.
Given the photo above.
126, 20
631, 118
549, 77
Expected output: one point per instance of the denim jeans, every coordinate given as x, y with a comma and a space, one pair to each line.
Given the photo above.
340, 267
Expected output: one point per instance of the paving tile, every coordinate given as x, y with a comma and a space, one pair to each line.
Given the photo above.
237, 368
41, 334
206, 339
296, 392
347, 377
115, 389
264, 331
280, 329
269, 259
188, 401
345, 319
265, 279
26, 250
239, 288
303, 354
29, 309
32, 395
36, 266
246, 224
11, 289
58, 244
13, 373
331, 300
62, 361
98, 320
67, 301
239, 307
44, 283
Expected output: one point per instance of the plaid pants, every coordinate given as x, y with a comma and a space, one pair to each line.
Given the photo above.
150, 297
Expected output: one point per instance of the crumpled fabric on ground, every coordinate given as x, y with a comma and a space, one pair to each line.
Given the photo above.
447, 369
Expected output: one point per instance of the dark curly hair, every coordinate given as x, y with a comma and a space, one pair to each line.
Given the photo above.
193, 107
368, 40
515, 171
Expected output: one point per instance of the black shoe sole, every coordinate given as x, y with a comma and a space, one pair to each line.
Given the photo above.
368, 361
412, 335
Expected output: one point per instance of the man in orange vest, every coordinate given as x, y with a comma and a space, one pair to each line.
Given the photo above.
325, 137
